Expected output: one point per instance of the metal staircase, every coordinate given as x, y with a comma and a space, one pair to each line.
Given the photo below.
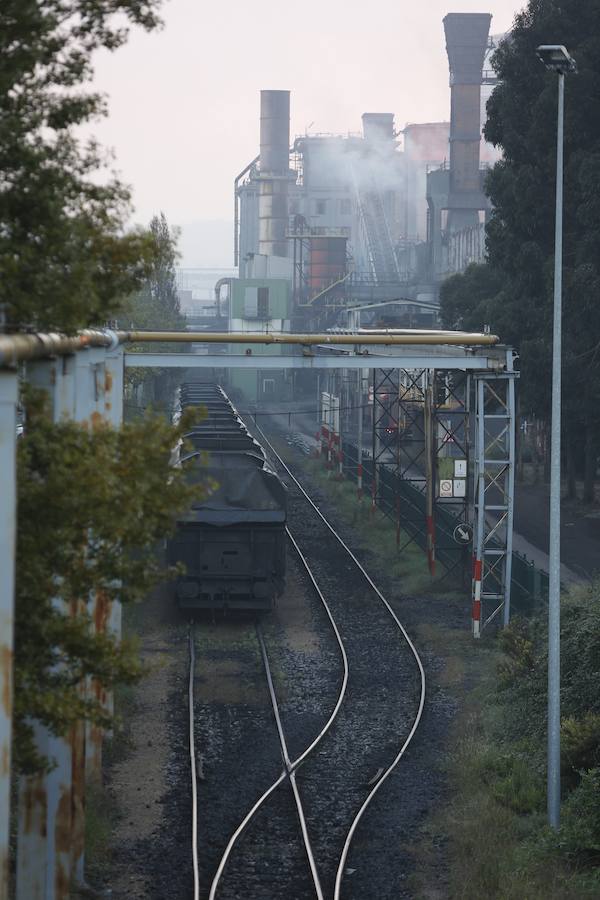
379, 240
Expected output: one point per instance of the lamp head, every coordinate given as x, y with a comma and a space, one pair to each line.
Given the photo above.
556, 58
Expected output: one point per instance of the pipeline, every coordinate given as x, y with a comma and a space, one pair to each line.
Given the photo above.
17, 347
236, 210
406, 337
221, 283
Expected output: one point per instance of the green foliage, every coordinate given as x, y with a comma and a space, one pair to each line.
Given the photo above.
466, 300
93, 502
494, 824
155, 307
519, 788
513, 291
580, 743
63, 254
519, 657
579, 835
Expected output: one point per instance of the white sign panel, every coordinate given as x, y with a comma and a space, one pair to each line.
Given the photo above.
460, 487
460, 468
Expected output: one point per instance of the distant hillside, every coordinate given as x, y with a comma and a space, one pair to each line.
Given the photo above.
206, 244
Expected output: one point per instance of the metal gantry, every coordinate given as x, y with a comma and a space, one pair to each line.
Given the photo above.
493, 497
421, 453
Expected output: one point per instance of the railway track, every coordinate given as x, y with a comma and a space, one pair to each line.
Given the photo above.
336, 777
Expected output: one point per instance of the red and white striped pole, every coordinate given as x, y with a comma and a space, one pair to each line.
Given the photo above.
476, 608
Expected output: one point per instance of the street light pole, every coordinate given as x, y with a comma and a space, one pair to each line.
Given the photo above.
555, 58
554, 586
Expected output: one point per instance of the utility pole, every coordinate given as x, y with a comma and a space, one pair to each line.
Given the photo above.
556, 58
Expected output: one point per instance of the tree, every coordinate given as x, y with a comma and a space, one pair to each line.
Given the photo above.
155, 307
520, 234
65, 263
64, 257
466, 299
71, 543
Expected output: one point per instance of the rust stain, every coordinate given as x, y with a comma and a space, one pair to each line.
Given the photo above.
6, 670
107, 405
62, 831
62, 882
78, 791
34, 805
5, 761
4, 869
108, 380
96, 419
94, 754
102, 610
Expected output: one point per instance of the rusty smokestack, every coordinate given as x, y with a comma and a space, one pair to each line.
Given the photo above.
466, 43
274, 172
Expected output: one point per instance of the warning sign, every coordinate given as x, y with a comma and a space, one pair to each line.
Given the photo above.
445, 487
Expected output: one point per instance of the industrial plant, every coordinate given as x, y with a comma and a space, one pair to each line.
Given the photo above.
360, 229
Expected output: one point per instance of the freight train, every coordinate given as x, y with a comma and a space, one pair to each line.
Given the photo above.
232, 543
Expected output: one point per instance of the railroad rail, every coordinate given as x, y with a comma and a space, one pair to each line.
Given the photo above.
193, 772
291, 766
421, 703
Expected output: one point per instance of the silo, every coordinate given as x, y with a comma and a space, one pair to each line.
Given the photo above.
327, 262
274, 172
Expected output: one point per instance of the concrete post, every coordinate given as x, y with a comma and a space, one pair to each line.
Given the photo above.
8, 528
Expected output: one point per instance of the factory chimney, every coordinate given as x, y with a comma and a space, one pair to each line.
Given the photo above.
274, 172
466, 43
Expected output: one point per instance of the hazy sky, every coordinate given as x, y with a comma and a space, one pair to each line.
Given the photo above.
184, 102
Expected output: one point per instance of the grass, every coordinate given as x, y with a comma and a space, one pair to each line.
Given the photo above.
409, 566
492, 827
101, 807
100, 819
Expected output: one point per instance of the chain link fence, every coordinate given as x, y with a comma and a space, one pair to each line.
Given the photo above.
401, 501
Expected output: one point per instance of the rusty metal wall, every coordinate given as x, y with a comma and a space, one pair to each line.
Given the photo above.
8, 450
87, 388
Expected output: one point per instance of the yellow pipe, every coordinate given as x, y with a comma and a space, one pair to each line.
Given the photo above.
409, 336
16, 347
